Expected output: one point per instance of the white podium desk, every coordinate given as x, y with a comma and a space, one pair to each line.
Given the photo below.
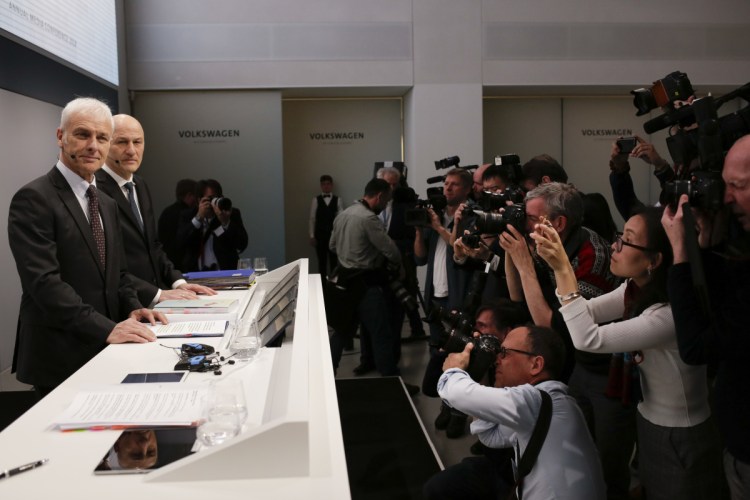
291, 446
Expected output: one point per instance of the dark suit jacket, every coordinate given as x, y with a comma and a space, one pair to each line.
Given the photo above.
227, 247
69, 303
169, 220
145, 257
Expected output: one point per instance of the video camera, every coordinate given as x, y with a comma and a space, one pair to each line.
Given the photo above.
702, 136
665, 92
418, 215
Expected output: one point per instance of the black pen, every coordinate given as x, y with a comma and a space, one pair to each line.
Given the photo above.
22, 468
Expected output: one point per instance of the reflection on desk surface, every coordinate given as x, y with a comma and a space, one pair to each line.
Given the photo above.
140, 451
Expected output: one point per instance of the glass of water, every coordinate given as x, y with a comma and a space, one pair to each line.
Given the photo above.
245, 344
226, 412
260, 265
244, 263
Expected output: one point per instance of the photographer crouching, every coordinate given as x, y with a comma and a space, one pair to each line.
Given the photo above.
356, 288
527, 410
717, 330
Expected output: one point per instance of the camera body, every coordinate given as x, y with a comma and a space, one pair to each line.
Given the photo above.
460, 333
496, 223
419, 216
705, 190
489, 201
223, 204
626, 145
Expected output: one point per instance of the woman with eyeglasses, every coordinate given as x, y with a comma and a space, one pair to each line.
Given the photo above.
679, 454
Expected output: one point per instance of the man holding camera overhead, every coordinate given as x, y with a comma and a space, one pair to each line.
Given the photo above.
213, 236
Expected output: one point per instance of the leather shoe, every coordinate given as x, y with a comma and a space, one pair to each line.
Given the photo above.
361, 369
456, 426
441, 422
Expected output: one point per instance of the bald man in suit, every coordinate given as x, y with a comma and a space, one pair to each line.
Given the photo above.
65, 238
155, 277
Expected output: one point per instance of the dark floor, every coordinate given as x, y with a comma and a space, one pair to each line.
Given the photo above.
414, 357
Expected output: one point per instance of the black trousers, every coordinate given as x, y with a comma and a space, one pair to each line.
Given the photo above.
326, 258
488, 477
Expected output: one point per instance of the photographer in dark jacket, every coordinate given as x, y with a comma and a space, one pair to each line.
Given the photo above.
721, 334
620, 180
213, 235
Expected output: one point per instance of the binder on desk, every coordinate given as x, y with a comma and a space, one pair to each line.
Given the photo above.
222, 280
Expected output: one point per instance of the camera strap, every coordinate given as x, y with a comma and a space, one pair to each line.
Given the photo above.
539, 434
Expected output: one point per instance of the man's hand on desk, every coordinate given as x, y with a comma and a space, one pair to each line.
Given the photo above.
186, 291
132, 330
199, 289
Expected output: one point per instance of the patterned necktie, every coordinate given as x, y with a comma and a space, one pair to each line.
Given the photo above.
96, 224
133, 206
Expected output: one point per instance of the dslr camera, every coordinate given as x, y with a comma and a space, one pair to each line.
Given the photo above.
486, 222
223, 204
459, 333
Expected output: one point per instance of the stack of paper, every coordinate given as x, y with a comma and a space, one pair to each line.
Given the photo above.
198, 306
136, 405
180, 329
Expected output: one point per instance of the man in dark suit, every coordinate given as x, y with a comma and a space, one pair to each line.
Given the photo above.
213, 235
155, 277
65, 238
170, 219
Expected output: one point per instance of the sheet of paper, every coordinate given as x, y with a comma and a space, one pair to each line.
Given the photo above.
190, 328
131, 405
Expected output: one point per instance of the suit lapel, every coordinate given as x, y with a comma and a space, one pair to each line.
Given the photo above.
74, 207
115, 192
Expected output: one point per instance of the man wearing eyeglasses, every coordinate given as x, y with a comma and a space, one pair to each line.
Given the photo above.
560, 206
530, 361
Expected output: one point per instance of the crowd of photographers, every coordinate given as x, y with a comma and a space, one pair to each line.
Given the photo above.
633, 355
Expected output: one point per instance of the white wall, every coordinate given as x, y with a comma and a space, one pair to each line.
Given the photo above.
309, 153
610, 42
249, 166
578, 132
29, 146
268, 44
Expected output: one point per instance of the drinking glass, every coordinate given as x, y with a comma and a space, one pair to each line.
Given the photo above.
244, 263
226, 411
260, 266
245, 344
